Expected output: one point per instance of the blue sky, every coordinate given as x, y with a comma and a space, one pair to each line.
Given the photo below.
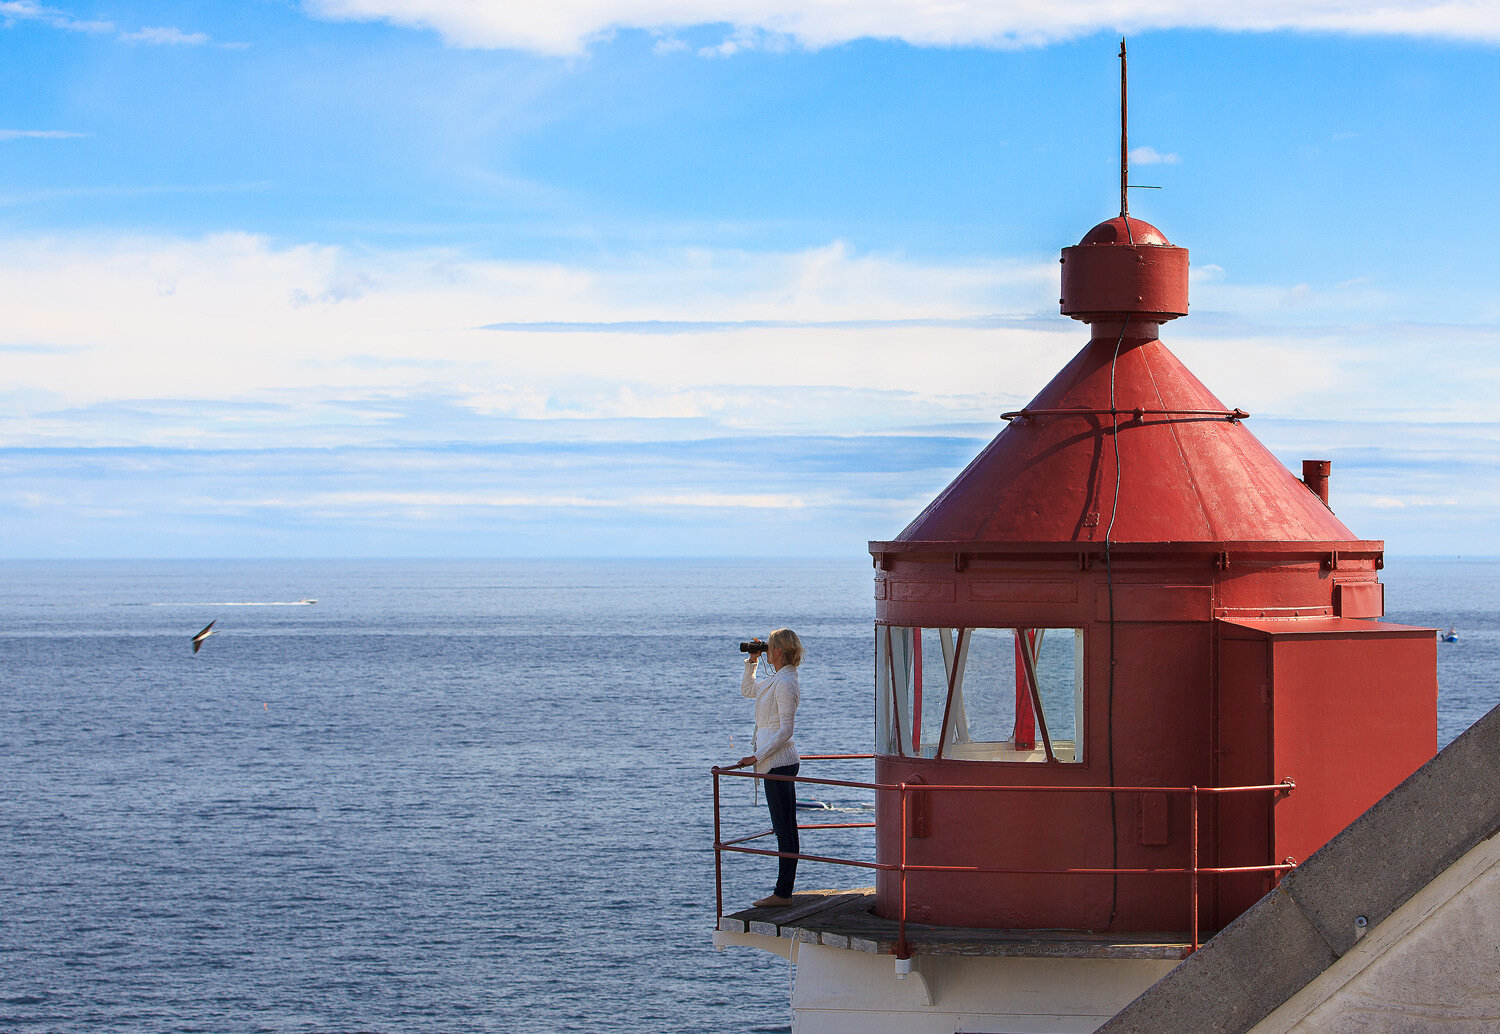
654, 277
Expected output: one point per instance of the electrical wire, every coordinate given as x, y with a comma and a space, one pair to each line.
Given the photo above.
1109, 579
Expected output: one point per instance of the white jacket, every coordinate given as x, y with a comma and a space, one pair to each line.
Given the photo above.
776, 697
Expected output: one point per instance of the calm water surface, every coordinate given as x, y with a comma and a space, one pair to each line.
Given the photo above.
449, 796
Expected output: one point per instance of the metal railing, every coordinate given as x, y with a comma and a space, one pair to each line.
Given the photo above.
1193, 871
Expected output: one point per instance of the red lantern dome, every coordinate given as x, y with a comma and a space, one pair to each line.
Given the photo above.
1124, 266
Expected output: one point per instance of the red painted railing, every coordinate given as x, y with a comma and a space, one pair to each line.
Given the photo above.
1193, 870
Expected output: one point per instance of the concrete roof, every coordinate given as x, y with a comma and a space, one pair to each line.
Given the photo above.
1409, 838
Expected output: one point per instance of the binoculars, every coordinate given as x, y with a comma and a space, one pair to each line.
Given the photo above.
754, 647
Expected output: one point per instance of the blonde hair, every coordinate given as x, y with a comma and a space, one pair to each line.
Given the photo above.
785, 640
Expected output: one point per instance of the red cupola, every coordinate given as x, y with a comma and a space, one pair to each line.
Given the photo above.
1125, 588
1123, 267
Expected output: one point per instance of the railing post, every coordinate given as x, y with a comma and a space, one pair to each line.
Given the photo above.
1194, 866
718, 859
901, 949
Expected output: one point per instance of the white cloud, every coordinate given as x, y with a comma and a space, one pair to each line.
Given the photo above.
228, 340
1354, 299
1386, 502
39, 134
355, 501
228, 335
744, 38
12, 11
1151, 156
567, 26
15, 11
165, 34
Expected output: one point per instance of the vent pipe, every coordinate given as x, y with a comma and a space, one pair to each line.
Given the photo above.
1315, 475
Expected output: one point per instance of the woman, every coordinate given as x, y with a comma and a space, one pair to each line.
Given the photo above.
776, 695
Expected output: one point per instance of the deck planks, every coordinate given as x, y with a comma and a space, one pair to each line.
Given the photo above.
846, 919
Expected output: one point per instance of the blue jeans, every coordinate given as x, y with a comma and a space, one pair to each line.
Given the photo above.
781, 798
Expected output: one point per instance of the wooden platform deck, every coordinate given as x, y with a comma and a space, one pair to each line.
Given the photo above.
846, 919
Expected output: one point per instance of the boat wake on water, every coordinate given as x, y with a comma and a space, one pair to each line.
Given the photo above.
307, 602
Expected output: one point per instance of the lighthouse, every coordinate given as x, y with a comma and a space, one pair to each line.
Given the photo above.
1173, 608
1128, 672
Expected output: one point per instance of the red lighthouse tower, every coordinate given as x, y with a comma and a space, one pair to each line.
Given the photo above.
1126, 589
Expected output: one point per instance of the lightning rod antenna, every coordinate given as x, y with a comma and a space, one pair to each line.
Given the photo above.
1124, 138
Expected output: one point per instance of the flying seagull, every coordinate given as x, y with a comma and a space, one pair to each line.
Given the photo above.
198, 639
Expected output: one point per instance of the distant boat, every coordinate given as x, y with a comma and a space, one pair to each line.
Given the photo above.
307, 601
812, 805
1449, 636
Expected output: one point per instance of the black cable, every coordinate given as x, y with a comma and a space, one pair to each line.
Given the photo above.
1109, 578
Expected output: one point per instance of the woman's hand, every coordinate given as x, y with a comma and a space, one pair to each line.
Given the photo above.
748, 759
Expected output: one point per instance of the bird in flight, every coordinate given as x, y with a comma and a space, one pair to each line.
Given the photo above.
207, 631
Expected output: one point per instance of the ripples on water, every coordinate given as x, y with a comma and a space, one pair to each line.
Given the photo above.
448, 797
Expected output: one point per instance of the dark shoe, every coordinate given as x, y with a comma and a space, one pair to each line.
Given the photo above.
774, 901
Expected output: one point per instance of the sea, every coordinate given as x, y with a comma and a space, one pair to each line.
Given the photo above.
448, 795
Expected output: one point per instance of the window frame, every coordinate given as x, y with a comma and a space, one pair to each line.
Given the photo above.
899, 663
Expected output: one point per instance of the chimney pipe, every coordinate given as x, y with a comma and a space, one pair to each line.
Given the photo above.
1315, 475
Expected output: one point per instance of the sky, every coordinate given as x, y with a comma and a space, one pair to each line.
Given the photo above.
708, 277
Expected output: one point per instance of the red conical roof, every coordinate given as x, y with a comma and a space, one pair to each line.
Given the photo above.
1187, 472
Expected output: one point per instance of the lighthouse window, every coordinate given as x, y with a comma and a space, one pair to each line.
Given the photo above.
980, 694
